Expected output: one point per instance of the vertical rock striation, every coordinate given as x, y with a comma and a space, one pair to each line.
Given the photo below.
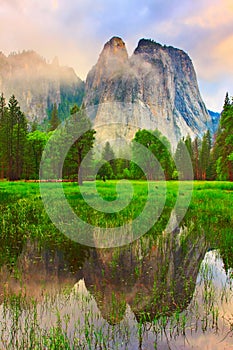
155, 88
37, 84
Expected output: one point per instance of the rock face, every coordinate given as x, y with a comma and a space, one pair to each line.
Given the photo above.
215, 117
155, 88
37, 85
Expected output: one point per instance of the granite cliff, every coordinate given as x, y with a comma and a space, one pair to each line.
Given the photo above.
154, 88
37, 84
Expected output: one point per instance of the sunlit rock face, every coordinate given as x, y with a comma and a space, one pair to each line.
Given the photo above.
155, 88
37, 84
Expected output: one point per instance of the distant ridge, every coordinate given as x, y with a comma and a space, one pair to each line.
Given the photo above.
215, 117
38, 85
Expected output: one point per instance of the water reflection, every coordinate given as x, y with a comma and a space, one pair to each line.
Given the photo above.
41, 270
155, 276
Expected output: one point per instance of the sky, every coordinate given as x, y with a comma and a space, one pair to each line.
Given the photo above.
75, 31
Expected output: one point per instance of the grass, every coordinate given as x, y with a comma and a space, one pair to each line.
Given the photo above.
23, 216
161, 266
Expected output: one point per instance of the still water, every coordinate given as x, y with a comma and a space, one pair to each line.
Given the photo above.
172, 291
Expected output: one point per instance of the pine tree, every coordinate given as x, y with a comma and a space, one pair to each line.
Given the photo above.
109, 156
55, 121
205, 155
227, 102
13, 130
223, 147
108, 153
83, 144
188, 144
196, 160
183, 160
17, 139
3, 135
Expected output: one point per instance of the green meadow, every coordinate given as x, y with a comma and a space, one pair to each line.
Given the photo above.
165, 289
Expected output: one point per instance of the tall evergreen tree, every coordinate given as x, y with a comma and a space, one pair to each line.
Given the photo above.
227, 102
196, 145
205, 155
223, 148
183, 159
83, 144
3, 111
188, 144
13, 131
17, 139
109, 156
55, 121
108, 153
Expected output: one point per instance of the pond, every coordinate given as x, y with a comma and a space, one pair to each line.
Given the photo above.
171, 288
172, 291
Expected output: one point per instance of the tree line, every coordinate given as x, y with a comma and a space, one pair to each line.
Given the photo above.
22, 145
21, 148
210, 158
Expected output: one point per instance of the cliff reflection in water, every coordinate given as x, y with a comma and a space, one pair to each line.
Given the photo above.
154, 276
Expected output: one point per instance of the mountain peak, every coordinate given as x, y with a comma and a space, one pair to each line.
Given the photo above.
147, 45
116, 42
115, 48
159, 80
